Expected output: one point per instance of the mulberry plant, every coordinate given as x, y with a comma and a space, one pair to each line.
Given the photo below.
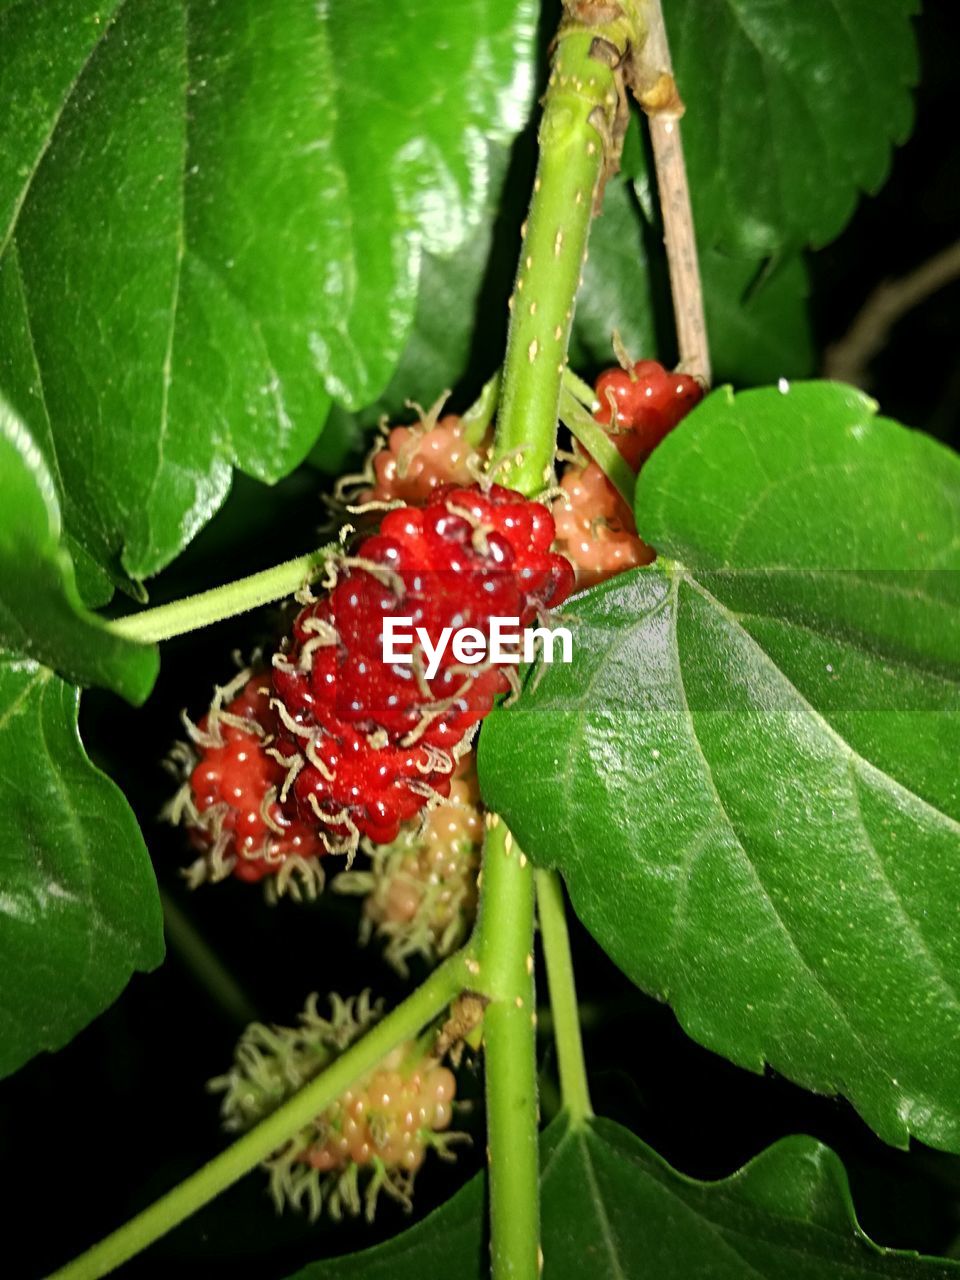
239, 246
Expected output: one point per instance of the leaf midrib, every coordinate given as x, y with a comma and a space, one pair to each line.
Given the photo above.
725, 1236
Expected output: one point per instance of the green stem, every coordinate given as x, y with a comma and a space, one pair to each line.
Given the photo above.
551, 911
577, 138
505, 957
599, 446
443, 985
581, 390
194, 612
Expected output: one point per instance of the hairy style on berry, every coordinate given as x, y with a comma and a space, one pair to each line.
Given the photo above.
229, 802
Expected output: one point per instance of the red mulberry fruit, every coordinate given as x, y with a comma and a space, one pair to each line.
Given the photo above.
595, 526
369, 741
645, 402
416, 461
229, 803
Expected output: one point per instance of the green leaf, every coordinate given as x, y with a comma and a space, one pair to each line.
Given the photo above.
748, 773
759, 328
41, 613
792, 111
609, 1199
757, 318
20, 380
79, 909
460, 327
212, 218
612, 1207
758, 322
449, 1242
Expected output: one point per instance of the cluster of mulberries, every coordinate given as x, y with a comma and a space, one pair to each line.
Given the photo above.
332, 744
330, 748
371, 741
377, 1133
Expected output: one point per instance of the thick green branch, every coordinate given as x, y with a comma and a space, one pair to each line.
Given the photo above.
580, 135
443, 986
579, 141
505, 976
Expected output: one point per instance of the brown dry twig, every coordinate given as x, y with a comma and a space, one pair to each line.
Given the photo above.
849, 358
656, 91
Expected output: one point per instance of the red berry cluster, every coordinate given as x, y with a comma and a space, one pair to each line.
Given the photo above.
370, 742
229, 801
336, 744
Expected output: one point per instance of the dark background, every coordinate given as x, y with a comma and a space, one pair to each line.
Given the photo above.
97, 1132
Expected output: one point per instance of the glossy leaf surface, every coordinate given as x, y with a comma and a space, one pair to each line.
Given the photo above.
212, 219
79, 909
747, 774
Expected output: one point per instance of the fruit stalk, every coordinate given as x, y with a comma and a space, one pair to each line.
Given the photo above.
207, 607
551, 913
599, 446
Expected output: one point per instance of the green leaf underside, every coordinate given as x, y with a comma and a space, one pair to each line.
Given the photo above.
41, 613
612, 1208
212, 219
79, 909
792, 111
759, 329
749, 778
